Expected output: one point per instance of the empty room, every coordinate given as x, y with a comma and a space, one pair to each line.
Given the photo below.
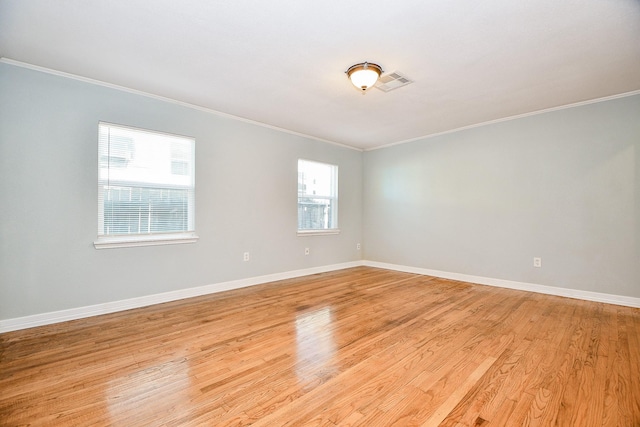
338, 213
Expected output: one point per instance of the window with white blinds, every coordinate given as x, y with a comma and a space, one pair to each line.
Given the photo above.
146, 187
317, 198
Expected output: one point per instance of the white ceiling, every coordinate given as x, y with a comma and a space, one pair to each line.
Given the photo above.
282, 62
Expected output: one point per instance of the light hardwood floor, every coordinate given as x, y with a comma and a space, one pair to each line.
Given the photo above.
357, 347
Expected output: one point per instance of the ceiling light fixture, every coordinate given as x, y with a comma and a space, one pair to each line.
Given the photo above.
364, 75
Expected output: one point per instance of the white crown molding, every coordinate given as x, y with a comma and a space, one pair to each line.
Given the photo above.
170, 100
521, 286
31, 321
115, 306
506, 119
303, 135
268, 126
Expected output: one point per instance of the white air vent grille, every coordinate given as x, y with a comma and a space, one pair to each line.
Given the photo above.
391, 81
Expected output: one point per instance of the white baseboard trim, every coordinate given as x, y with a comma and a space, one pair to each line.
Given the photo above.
522, 286
25, 322
31, 321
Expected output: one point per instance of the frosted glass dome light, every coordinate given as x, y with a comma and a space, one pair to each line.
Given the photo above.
364, 75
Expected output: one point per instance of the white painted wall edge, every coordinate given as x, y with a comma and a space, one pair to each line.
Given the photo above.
115, 306
25, 322
522, 286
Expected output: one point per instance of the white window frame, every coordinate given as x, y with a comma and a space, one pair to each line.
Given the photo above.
333, 197
104, 241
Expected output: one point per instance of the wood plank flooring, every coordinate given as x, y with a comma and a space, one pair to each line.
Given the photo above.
356, 347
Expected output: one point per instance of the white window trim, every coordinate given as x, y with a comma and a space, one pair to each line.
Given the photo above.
318, 232
128, 241
323, 231
154, 239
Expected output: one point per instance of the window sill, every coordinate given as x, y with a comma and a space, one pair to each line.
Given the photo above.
318, 232
111, 242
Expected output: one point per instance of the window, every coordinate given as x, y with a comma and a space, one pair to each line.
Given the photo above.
146, 187
317, 198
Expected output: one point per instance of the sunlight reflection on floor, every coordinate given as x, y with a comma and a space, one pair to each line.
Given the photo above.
315, 342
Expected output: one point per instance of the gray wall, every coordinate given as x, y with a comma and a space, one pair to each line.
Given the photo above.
563, 186
246, 198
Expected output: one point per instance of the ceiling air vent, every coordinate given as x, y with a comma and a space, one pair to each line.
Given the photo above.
391, 81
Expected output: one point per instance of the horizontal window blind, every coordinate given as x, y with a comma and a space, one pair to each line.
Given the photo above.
317, 195
146, 182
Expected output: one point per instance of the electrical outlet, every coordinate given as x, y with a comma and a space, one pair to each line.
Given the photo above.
537, 262
358, 246
306, 251
246, 256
